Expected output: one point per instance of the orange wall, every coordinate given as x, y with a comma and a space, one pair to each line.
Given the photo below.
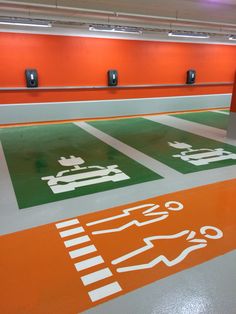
68, 61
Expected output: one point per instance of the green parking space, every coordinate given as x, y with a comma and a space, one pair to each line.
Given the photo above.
182, 151
49, 163
214, 119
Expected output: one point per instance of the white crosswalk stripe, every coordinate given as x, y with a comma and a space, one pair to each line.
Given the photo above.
105, 291
88, 263
67, 223
96, 276
83, 251
70, 232
81, 265
77, 241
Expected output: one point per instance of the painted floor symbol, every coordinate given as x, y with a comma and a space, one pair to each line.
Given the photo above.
162, 143
90, 278
78, 177
70, 266
49, 163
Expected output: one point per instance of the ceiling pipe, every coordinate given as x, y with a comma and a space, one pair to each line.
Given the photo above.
75, 22
89, 15
63, 16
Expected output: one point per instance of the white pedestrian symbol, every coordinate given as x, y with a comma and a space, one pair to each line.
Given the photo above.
202, 156
93, 175
207, 232
149, 216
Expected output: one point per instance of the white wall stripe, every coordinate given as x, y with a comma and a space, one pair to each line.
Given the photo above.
83, 251
80, 240
104, 291
67, 223
89, 263
96, 276
70, 232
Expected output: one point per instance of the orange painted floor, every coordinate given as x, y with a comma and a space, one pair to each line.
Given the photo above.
90, 259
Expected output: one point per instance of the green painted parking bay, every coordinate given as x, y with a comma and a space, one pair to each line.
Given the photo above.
209, 118
180, 150
49, 163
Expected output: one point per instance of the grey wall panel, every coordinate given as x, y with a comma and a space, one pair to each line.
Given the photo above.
36, 112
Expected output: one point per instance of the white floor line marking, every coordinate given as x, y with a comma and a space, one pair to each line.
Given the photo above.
96, 276
104, 291
89, 263
126, 212
148, 214
70, 232
219, 111
83, 251
145, 160
199, 129
67, 223
76, 241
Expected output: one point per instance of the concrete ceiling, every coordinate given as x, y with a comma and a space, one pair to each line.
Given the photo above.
219, 11
212, 16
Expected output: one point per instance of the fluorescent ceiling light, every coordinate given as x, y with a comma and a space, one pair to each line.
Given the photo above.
25, 22
188, 34
115, 29
232, 37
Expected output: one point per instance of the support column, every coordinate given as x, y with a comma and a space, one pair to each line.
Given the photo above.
231, 133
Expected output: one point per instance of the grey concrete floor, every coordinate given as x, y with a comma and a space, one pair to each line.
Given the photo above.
206, 288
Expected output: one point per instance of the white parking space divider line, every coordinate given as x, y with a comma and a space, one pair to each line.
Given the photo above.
220, 111
199, 129
145, 160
